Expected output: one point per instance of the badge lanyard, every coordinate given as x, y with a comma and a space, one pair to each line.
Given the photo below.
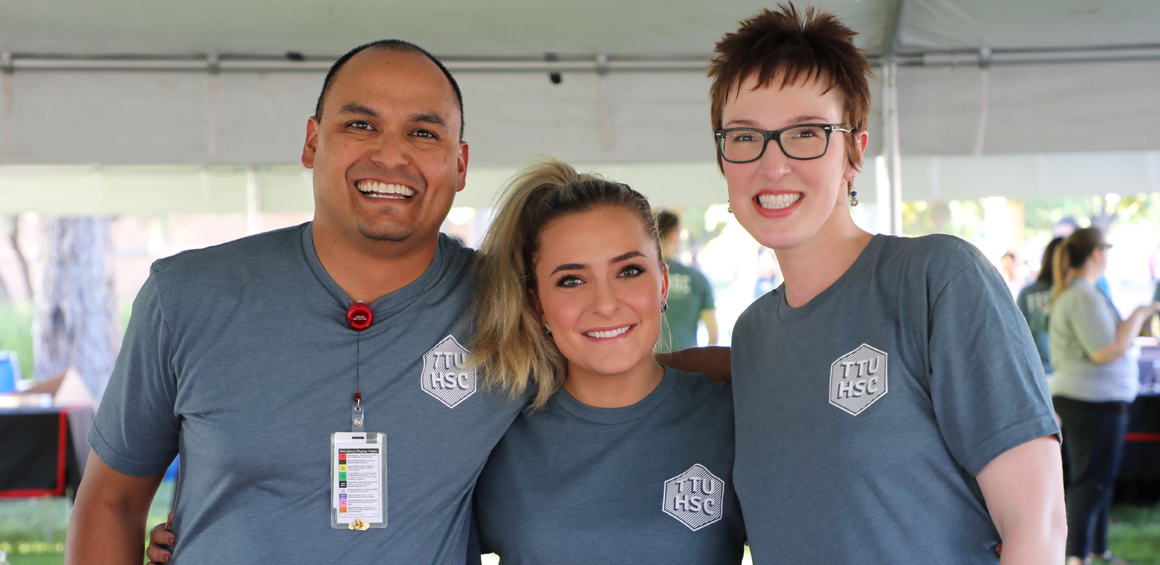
358, 459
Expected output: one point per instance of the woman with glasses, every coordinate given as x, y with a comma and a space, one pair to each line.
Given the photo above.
1096, 377
890, 404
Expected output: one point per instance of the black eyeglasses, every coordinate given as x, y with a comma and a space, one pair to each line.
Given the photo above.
802, 142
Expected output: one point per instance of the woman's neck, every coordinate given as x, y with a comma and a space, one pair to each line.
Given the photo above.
820, 261
1089, 273
614, 391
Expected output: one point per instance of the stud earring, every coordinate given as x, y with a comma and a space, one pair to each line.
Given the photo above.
547, 328
853, 195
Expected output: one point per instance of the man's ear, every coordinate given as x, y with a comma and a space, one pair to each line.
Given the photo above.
461, 165
310, 147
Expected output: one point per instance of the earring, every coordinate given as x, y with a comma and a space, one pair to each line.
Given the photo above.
547, 328
729, 206
853, 195
664, 306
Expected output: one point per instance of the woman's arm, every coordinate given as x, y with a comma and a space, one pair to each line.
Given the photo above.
1125, 333
1023, 489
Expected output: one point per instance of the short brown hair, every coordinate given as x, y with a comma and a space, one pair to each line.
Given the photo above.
817, 47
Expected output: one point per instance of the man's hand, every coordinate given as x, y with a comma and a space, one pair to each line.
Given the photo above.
713, 362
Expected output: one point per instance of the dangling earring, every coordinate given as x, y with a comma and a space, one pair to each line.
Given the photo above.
547, 328
853, 195
664, 306
729, 206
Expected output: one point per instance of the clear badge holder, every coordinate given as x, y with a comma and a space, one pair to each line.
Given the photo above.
358, 477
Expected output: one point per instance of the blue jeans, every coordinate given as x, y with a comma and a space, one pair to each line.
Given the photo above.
1094, 435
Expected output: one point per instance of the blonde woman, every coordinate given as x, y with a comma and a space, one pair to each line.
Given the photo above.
1096, 377
619, 459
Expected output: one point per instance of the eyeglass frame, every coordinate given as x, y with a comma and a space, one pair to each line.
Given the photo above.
776, 134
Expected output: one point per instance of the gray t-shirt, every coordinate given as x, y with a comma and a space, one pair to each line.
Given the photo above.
864, 415
647, 483
1084, 321
239, 357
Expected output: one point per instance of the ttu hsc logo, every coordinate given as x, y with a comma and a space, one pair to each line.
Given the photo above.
858, 379
695, 497
445, 373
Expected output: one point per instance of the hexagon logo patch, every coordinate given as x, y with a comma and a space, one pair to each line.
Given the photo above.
445, 373
858, 379
695, 498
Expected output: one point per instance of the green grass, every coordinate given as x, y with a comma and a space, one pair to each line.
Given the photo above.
1134, 534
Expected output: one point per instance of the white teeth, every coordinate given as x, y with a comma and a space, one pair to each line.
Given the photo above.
607, 334
379, 190
778, 201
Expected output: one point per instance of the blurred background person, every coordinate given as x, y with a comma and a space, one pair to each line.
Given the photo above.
1014, 273
768, 272
690, 296
1096, 378
1035, 303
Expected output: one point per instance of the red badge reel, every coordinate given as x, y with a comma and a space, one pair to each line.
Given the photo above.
359, 316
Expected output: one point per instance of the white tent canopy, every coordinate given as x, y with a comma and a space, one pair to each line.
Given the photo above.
1023, 86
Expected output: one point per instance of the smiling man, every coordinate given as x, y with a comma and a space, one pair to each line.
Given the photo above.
241, 357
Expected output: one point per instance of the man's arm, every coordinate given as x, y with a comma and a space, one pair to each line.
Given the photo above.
108, 518
1023, 489
713, 362
710, 319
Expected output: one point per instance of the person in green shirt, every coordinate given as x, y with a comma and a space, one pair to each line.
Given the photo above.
690, 296
1034, 302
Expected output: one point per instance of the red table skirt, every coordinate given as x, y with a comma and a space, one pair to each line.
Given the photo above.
42, 450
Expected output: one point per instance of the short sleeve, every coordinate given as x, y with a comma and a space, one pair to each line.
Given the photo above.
1091, 319
705, 292
986, 380
135, 430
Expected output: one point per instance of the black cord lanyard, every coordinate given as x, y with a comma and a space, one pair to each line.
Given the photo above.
359, 317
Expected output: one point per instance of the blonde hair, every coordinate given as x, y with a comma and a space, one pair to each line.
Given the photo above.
510, 345
1072, 254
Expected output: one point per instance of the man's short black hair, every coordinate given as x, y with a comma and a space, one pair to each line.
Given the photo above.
397, 45
666, 223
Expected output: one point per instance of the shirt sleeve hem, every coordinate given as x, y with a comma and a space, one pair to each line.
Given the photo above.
118, 463
1009, 438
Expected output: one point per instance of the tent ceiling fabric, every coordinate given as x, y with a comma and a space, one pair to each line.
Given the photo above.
328, 28
149, 117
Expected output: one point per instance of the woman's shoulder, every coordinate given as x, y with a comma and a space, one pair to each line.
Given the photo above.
934, 259
938, 248
1078, 291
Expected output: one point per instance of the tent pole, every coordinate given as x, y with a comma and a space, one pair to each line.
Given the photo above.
890, 149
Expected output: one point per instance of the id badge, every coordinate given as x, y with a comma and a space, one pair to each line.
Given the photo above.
358, 480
